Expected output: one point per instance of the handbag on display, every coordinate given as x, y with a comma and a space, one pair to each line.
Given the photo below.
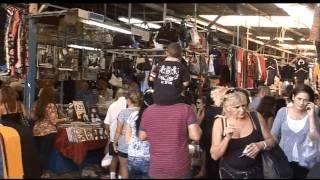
120, 40
275, 163
145, 66
213, 38
114, 81
194, 65
203, 65
184, 35
195, 39
167, 34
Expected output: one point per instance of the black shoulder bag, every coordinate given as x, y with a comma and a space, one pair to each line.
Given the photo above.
275, 162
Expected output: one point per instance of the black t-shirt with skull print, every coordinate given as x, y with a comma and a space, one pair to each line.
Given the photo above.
168, 85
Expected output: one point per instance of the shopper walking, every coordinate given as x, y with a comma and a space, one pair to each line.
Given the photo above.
262, 91
296, 126
236, 141
119, 144
267, 108
111, 126
167, 129
11, 112
138, 151
45, 116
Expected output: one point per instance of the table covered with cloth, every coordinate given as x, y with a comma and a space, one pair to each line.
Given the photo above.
76, 151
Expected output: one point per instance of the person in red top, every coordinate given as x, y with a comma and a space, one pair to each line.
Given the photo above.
167, 129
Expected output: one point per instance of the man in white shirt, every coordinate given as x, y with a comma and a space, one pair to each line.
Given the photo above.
111, 125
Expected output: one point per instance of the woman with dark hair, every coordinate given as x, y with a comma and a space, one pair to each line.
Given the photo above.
138, 151
295, 126
267, 109
45, 115
201, 105
11, 112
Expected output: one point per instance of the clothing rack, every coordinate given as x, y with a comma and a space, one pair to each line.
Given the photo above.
128, 54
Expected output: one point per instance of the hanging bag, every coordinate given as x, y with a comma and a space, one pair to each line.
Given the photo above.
145, 66
212, 38
123, 40
195, 39
274, 161
167, 34
195, 68
184, 35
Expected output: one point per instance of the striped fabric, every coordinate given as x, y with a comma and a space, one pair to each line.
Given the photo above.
167, 132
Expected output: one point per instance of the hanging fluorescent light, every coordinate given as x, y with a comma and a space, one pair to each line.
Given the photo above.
256, 21
139, 23
263, 37
308, 54
177, 21
298, 46
83, 47
103, 25
284, 38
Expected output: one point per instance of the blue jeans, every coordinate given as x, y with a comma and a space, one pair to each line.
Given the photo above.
138, 167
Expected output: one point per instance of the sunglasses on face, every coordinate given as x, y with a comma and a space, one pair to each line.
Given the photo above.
232, 90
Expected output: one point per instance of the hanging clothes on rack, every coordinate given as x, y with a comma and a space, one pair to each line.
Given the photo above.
233, 76
287, 73
262, 68
11, 153
250, 70
3, 24
316, 75
301, 71
240, 69
272, 70
216, 60
210, 65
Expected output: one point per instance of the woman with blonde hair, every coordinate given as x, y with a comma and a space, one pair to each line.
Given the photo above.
11, 112
236, 140
119, 144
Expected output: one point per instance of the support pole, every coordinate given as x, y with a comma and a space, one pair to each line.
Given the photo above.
30, 85
129, 13
164, 12
61, 92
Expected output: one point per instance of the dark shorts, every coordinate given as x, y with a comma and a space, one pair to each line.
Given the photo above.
111, 150
123, 155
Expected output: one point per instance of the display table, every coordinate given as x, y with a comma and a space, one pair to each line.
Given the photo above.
77, 152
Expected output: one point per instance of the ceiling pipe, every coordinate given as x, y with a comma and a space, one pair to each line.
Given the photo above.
158, 8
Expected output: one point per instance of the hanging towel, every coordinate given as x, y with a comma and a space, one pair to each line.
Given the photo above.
12, 152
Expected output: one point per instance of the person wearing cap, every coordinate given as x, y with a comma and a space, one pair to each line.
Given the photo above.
138, 151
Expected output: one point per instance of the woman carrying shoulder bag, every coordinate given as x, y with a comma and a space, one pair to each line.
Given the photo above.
295, 128
236, 140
